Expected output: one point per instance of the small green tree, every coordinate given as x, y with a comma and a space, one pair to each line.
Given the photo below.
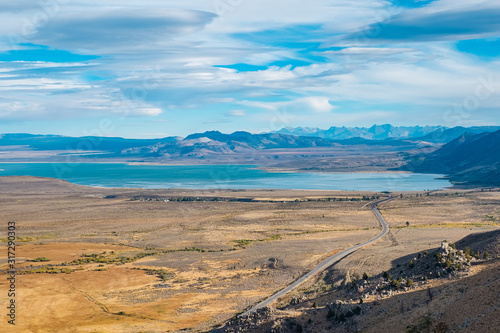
486, 255
409, 282
315, 305
395, 284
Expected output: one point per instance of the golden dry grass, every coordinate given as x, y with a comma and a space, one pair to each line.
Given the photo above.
219, 256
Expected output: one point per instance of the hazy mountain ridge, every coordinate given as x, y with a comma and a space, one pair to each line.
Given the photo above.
444, 135
59, 142
468, 158
301, 137
433, 134
376, 132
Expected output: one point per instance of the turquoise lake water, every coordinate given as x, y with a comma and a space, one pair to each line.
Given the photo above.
220, 177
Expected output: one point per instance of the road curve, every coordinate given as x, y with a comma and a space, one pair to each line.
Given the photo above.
327, 262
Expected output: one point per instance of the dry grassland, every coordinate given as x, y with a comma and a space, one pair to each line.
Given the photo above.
159, 266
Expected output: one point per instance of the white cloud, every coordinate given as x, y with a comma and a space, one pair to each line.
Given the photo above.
237, 113
160, 55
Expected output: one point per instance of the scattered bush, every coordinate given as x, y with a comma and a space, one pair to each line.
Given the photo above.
41, 259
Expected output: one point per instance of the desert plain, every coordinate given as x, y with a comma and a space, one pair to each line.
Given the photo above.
133, 260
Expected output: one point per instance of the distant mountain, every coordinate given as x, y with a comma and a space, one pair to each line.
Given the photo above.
58, 142
471, 158
376, 132
432, 134
194, 145
201, 144
299, 131
444, 134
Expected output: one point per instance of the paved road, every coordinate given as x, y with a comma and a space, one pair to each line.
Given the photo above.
327, 262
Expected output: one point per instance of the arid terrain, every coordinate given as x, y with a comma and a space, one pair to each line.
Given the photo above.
131, 260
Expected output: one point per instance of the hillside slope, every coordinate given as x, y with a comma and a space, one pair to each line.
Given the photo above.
471, 158
466, 302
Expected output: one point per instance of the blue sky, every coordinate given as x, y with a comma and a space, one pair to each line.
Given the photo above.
157, 68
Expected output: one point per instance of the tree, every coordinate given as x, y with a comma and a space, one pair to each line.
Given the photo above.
409, 282
395, 284
365, 276
315, 305
486, 255
407, 223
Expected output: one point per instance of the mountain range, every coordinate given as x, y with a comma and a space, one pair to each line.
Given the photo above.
435, 134
468, 155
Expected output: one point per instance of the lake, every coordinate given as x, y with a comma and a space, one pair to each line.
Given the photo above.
220, 177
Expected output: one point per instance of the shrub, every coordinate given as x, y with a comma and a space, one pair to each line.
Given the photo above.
41, 259
395, 284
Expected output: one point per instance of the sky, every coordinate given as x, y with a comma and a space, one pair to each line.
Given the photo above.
158, 68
